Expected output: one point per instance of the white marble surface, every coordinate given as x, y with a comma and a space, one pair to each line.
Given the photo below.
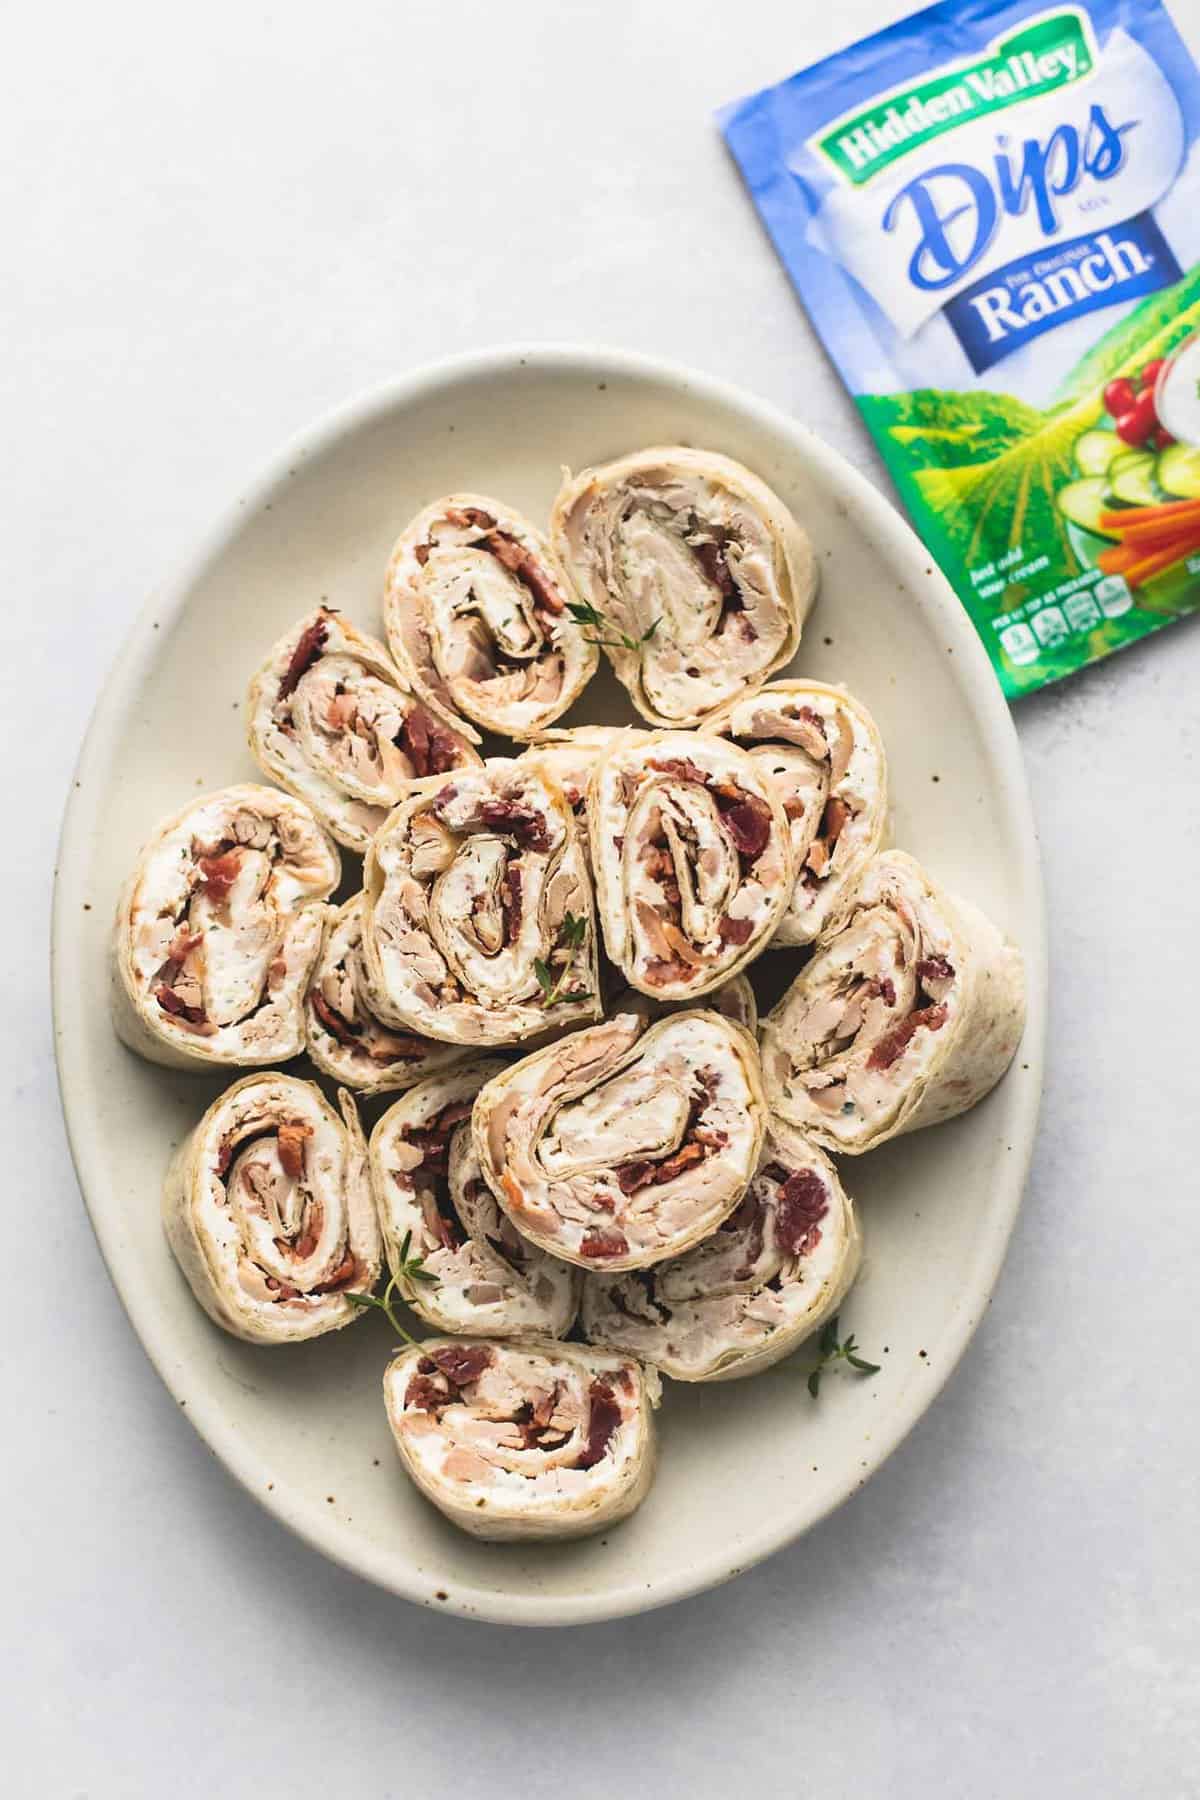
216, 224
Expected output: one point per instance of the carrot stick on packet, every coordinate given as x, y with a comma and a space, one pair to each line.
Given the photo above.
992, 213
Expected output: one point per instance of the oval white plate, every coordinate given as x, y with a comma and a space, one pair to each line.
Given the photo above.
745, 1466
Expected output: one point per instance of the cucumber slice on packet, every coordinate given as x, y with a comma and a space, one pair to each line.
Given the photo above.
1134, 483
1082, 502
1095, 450
1178, 471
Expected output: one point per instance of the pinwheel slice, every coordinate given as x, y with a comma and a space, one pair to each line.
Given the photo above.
746, 1297
569, 758
475, 607
433, 1202
477, 916
692, 575
691, 857
329, 719
537, 1440
267, 1206
345, 1039
624, 1144
824, 758
217, 931
908, 1014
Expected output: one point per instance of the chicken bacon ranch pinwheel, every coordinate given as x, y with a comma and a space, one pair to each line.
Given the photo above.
267, 1206
770, 1277
217, 931
477, 915
691, 857
908, 1014
345, 1039
329, 719
476, 613
537, 1440
824, 758
692, 575
624, 1144
479, 1276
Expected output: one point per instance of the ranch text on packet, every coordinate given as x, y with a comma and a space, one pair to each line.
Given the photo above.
992, 213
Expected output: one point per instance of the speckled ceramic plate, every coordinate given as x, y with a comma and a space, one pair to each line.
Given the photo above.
745, 1466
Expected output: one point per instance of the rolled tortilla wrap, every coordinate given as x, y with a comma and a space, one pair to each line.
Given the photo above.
695, 577
431, 1196
329, 719
267, 1206
537, 1440
824, 758
345, 1039
748, 1295
691, 858
477, 916
623, 1145
908, 1014
218, 928
475, 607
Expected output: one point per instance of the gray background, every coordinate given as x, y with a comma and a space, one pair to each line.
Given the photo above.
217, 223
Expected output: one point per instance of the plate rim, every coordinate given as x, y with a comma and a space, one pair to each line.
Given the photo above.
991, 712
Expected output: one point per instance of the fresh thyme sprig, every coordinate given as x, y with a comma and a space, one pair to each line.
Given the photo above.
572, 933
410, 1269
831, 1351
585, 614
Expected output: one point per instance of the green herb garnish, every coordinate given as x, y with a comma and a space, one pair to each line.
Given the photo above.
571, 935
410, 1269
831, 1351
587, 615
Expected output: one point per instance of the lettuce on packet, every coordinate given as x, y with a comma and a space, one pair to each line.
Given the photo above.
992, 213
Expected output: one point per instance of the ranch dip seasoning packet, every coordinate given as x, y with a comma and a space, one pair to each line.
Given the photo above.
992, 212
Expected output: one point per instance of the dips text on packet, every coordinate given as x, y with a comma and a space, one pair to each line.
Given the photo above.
992, 213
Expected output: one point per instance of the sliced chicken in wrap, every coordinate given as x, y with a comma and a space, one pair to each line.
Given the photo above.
624, 1144
689, 572
218, 928
477, 917
433, 1203
537, 1440
906, 1015
691, 858
267, 1206
824, 758
345, 1039
476, 613
330, 719
747, 1296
